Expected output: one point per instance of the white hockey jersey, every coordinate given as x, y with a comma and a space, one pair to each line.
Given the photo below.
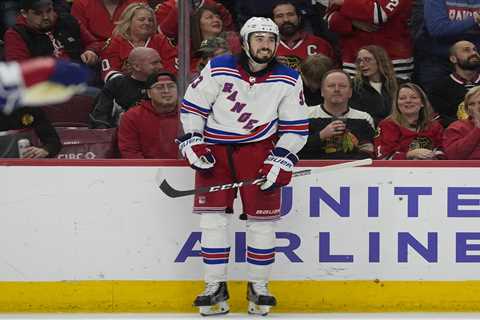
229, 106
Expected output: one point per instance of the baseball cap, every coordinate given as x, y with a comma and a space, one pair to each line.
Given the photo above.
35, 4
208, 46
159, 76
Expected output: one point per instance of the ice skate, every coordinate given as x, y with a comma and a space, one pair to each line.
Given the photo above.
259, 299
213, 300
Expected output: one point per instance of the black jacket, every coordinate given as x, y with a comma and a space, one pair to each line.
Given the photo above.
366, 98
34, 118
118, 95
66, 31
446, 94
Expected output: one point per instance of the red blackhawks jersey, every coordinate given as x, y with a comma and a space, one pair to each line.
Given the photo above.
95, 17
307, 45
390, 17
115, 54
394, 141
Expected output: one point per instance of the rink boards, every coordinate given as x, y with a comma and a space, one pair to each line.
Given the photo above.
100, 236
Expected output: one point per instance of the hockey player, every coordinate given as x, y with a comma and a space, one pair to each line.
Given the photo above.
39, 81
244, 116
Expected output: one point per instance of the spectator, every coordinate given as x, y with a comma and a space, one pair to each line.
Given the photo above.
312, 70
167, 15
336, 130
410, 131
446, 22
149, 129
123, 92
448, 92
374, 84
385, 24
309, 11
136, 28
461, 139
207, 24
295, 43
8, 15
34, 118
42, 31
312, 13
9, 10
209, 49
100, 16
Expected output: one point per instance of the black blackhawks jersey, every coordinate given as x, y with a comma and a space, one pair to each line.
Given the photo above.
360, 131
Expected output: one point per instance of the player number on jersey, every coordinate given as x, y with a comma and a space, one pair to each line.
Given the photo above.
392, 5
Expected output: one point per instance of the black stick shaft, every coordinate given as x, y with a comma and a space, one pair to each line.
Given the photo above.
174, 193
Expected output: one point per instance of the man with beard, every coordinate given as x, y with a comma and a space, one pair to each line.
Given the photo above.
447, 93
244, 117
41, 31
295, 43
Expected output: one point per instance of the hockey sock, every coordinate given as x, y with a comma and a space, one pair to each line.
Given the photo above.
215, 246
260, 249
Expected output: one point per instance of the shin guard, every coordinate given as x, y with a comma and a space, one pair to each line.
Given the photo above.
215, 246
260, 249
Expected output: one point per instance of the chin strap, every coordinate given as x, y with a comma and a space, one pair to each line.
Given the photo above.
255, 65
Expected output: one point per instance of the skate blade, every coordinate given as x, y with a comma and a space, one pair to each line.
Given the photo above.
216, 309
256, 309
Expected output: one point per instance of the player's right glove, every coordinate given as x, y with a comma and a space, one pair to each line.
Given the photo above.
198, 154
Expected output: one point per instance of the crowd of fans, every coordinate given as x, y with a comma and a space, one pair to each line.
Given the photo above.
394, 79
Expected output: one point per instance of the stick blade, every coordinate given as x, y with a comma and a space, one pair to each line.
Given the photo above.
173, 193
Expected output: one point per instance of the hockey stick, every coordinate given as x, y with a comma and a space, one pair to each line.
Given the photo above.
174, 193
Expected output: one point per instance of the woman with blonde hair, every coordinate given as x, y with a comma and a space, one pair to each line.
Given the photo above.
374, 84
410, 132
461, 139
137, 27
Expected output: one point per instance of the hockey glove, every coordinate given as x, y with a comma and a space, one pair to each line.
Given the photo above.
51, 81
277, 169
196, 151
39, 81
59, 71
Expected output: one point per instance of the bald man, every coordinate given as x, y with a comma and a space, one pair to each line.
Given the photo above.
447, 93
124, 91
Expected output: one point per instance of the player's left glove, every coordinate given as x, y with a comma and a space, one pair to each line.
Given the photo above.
277, 169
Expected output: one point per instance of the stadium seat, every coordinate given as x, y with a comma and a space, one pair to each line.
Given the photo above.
71, 113
85, 143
